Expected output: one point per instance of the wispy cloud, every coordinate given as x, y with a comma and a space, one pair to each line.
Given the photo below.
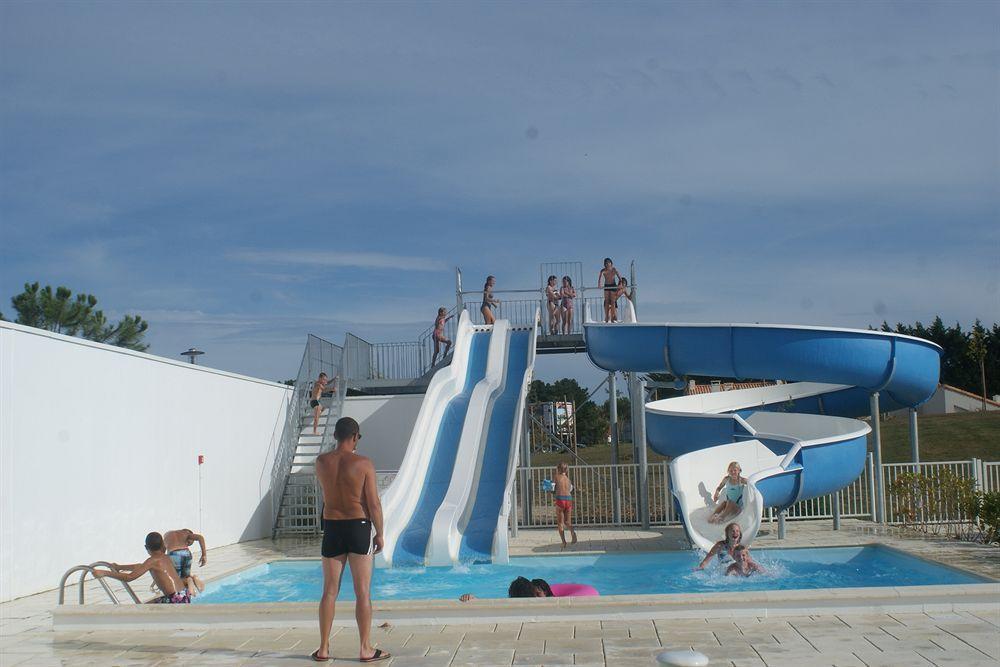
331, 259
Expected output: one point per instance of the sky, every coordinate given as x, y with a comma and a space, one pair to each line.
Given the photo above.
243, 174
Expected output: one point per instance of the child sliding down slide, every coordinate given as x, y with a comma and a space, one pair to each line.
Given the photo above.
735, 486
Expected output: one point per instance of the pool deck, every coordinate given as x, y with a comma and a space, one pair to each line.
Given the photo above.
944, 633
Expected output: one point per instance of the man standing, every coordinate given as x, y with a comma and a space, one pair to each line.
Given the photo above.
179, 549
352, 533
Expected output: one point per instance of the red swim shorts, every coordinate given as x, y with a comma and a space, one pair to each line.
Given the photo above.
564, 504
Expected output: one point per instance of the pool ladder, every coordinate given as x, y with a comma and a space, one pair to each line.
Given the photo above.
84, 570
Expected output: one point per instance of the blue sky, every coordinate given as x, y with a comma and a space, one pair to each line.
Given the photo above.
243, 174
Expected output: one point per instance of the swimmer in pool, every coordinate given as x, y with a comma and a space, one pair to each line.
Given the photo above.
743, 565
724, 547
539, 588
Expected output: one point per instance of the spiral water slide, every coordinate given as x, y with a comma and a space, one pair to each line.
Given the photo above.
451, 497
794, 441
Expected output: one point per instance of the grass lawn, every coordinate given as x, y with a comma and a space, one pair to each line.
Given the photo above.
953, 437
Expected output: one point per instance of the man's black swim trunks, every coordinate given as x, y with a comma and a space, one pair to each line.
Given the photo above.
343, 536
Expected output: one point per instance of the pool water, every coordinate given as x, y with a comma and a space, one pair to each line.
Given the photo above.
612, 574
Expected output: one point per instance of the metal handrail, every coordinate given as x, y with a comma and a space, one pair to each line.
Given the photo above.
110, 566
86, 569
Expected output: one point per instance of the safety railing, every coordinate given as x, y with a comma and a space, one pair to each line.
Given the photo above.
84, 570
521, 310
406, 360
384, 478
924, 501
319, 356
595, 485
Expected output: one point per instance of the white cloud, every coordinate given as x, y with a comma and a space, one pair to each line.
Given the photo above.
361, 260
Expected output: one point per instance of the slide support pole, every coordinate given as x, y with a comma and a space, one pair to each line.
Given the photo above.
835, 499
616, 508
879, 473
637, 391
914, 440
781, 525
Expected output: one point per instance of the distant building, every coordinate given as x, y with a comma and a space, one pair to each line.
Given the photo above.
718, 385
948, 400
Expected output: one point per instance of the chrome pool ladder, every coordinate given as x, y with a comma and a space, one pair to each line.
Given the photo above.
84, 570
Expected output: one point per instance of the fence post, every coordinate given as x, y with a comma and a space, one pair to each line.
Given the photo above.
877, 447
835, 499
977, 474
668, 505
870, 465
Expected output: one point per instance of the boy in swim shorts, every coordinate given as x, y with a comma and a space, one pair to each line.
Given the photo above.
564, 503
178, 543
159, 567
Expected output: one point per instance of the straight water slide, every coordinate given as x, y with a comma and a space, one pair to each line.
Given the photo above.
794, 441
454, 484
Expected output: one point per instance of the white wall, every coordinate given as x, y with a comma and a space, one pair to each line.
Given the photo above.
99, 445
386, 423
946, 401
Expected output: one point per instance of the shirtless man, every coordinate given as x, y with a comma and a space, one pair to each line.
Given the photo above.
159, 567
178, 543
352, 533
564, 503
317, 393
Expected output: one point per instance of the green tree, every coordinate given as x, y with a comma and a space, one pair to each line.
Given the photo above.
977, 350
60, 312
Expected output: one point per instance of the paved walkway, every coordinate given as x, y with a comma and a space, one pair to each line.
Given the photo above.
964, 638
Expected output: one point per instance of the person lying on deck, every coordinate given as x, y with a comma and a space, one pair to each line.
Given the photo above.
539, 588
159, 567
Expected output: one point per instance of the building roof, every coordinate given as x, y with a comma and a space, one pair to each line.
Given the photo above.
978, 397
726, 386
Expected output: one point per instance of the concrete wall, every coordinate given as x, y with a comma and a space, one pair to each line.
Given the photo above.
99, 445
386, 423
947, 400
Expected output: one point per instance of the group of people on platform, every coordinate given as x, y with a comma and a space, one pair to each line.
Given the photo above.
560, 304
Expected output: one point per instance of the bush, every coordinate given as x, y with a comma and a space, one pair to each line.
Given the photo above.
989, 517
941, 501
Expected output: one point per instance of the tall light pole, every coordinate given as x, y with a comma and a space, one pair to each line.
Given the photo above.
191, 353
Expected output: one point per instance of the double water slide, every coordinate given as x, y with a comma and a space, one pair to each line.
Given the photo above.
794, 441
450, 500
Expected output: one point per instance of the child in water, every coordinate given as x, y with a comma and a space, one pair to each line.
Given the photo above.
724, 547
732, 503
743, 565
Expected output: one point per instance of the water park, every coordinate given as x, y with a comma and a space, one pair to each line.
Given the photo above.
467, 513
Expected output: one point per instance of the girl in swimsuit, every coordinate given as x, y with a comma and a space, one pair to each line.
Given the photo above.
488, 301
607, 280
724, 547
568, 294
732, 504
439, 336
552, 303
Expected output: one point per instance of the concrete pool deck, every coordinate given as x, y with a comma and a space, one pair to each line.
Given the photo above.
950, 631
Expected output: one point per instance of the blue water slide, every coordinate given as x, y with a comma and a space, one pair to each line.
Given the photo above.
411, 546
793, 441
477, 543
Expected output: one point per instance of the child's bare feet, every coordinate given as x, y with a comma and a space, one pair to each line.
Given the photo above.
574, 537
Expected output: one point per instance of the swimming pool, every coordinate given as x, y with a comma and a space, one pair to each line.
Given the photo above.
611, 574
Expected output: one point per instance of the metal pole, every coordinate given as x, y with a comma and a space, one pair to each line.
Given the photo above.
458, 292
631, 286
836, 510
781, 525
877, 447
870, 469
914, 440
638, 398
616, 509
526, 477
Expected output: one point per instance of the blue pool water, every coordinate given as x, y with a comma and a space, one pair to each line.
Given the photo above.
611, 574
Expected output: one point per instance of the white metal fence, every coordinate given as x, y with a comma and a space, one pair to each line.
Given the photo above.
607, 495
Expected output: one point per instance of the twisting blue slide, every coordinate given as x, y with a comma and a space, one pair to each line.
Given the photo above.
793, 441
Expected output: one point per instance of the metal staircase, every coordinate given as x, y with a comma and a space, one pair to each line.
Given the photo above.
295, 494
